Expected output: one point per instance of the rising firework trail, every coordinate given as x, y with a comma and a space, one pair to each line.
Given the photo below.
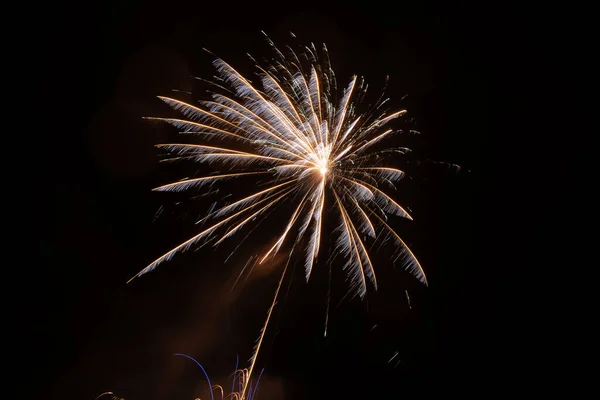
264, 330
304, 146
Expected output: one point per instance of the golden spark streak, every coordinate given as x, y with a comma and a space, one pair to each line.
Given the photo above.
196, 124
193, 239
205, 179
366, 218
252, 121
274, 110
238, 226
289, 102
351, 244
388, 198
316, 237
412, 256
344, 107
278, 243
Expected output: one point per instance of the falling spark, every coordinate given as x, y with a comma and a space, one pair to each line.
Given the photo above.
407, 299
303, 149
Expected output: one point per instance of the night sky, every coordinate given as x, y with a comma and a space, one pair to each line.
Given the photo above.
469, 73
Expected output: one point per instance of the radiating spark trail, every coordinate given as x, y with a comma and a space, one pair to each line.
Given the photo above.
301, 148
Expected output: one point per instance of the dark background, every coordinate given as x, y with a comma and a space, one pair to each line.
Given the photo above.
484, 86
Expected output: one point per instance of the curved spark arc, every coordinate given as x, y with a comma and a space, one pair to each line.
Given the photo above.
245, 389
203, 371
307, 148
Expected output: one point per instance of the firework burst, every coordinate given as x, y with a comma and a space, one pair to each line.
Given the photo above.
307, 146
